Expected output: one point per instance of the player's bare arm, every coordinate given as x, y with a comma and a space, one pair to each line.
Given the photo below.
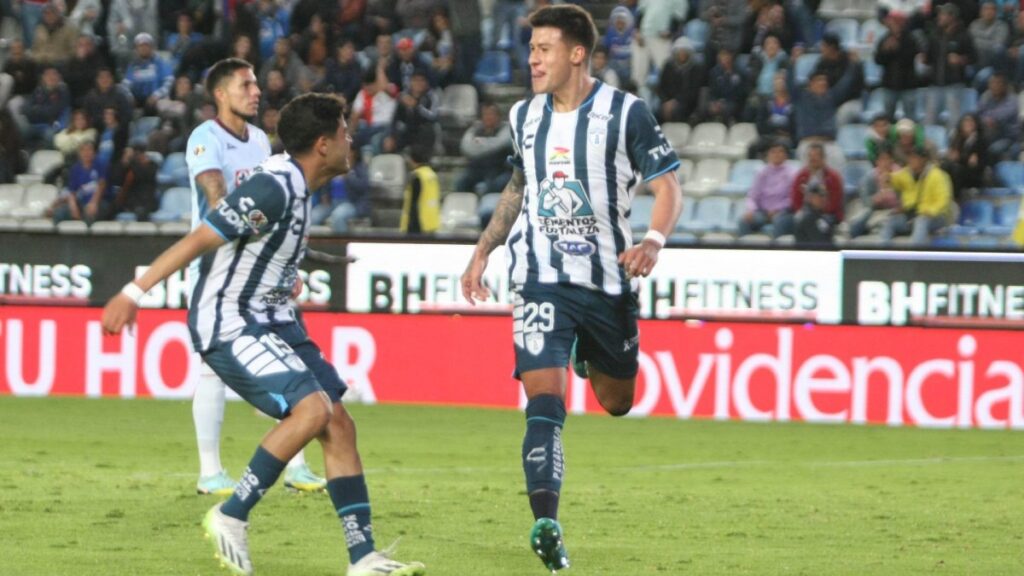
212, 184
668, 204
121, 309
505, 215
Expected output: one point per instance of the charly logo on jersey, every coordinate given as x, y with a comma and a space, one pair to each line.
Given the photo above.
566, 215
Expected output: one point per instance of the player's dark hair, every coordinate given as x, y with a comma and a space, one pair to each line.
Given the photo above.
575, 23
308, 117
222, 70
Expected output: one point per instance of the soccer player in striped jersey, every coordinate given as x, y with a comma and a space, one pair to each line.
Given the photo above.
581, 148
221, 153
243, 324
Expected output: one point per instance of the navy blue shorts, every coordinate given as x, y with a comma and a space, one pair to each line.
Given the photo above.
273, 367
547, 318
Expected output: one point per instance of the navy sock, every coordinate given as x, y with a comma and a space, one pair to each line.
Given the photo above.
352, 502
543, 459
261, 474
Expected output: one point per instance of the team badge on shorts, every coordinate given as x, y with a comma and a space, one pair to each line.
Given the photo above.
535, 343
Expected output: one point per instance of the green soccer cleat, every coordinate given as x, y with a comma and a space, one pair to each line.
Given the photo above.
302, 479
219, 484
546, 541
579, 367
230, 541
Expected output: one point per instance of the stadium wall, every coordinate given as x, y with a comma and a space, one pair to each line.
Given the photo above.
907, 376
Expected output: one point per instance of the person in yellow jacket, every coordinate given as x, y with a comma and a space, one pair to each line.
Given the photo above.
421, 207
926, 200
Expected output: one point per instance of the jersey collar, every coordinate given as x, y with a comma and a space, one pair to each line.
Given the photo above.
548, 101
243, 138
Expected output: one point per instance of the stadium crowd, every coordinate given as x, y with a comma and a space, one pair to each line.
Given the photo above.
798, 120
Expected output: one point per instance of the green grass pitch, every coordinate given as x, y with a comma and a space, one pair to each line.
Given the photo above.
105, 487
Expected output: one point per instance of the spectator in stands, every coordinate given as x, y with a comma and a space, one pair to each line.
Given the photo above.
105, 95
876, 193
284, 61
400, 70
926, 200
312, 49
896, 53
345, 197
343, 74
725, 20
177, 112
31, 14
771, 196
148, 76
658, 21
442, 49
776, 121
421, 204
201, 12
416, 115
79, 130
86, 17
1014, 53
273, 26
618, 42
242, 47
726, 90
468, 39
967, 157
12, 158
179, 42
999, 114
382, 49
950, 52
817, 199
768, 19
277, 92
765, 63
47, 110
269, 118
680, 83
349, 21
990, 35
879, 134
25, 72
415, 14
835, 65
486, 146
599, 68
113, 138
54, 42
373, 110
817, 104
138, 192
80, 72
125, 21
86, 196
906, 136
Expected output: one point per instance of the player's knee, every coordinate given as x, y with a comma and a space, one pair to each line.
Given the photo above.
315, 414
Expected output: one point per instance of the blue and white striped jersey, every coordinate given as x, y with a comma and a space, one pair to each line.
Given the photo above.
211, 146
582, 169
249, 279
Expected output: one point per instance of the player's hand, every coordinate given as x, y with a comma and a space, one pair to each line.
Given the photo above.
472, 287
640, 259
119, 312
297, 288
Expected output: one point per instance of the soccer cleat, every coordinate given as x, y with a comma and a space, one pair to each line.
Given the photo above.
379, 564
546, 541
579, 367
230, 541
219, 484
302, 479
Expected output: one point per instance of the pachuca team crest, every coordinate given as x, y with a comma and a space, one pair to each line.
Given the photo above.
566, 216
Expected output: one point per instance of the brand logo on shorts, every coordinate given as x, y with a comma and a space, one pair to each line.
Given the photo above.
633, 342
535, 343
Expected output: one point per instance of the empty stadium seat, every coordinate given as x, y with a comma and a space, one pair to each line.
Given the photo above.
851, 140
142, 127
458, 212
459, 105
387, 175
853, 174
175, 204
737, 143
872, 73
706, 139
107, 228
847, 29
850, 112
640, 214
938, 136
11, 196
487, 205
41, 164
38, 197
141, 228
714, 214
677, 134
974, 215
741, 177
1005, 218
709, 175
1011, 174
697, 31
72, 227
803, 67
494, 68
871, 33
173, 171
685, 171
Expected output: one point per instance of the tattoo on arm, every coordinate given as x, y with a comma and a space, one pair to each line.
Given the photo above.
212, 185
505, 214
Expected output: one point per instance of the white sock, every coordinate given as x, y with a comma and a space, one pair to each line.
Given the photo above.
298, 460
208, 415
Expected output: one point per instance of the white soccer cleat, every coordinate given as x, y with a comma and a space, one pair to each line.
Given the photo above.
378, 564
219, 484
300, 478
230, 541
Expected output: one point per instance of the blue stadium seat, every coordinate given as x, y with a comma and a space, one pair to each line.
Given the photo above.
975, 215
804, 65
853, 173
873, 105
689, 216
640, 213
872, 73
1011, 174
847, 29
851, 139
175, 204
714, 214
938, 136
1005, 220
741, 177
968, 100
697, 31
173, 171
495, 68
141, 128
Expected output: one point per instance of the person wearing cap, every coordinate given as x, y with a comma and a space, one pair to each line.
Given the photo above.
895, 53
990, 35
926, 200
148, 76
904, 137
679, 83
950, 52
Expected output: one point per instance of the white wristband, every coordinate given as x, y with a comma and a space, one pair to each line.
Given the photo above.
133, 291
656, 237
